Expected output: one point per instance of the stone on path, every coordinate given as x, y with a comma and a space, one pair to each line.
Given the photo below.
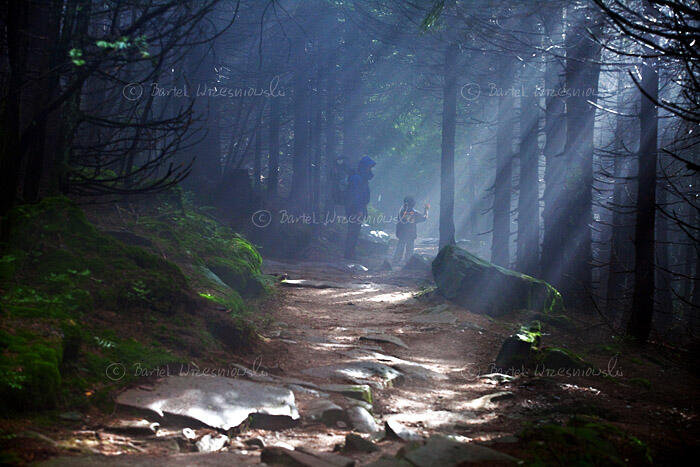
357, 372
486, 288
399, 431
384, 338
357, 443
134, 427
275, 455
215, 401
446, 452
218, 459
212, 443
487, 401
312, 284
435, 315
361, 420
325, 411
360, 392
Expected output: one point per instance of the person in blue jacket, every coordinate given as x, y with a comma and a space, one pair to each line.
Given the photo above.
357, 198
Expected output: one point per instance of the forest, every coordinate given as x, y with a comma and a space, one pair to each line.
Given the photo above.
349, 232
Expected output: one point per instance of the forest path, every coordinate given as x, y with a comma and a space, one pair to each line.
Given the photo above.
337, 328
426, 362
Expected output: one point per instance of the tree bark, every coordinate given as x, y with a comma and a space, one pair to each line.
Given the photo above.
555, 138
500, 243
274, 161
447, 160
639, 324
528, 242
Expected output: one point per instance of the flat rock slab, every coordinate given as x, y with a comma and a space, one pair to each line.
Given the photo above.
216, 401
384, 338
442, 420
408, 368
275, 455
361, 392
487, 401
356, 372
185, 460
311, 284
446, 452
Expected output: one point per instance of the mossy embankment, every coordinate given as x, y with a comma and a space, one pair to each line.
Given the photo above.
82, 309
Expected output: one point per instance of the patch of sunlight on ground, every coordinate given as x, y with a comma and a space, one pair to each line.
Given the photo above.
392, 297
575, 388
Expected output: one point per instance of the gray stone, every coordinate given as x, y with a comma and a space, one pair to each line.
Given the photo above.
212, 443
218, 459
384, 338
357, 372
487, 401
312, 284
360, 392
486, 288
396, 430
325, 411
134, 427
71, 416
275, 455
350, 402
515, 354
361, 420
216, 401
499, 378
257, 441
355, 442
446, 452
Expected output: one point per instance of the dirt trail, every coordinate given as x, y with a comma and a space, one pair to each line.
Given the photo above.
318, 334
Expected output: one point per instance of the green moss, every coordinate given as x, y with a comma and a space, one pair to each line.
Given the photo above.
29, 371
217, 261
641, 382
487, 288
583, 441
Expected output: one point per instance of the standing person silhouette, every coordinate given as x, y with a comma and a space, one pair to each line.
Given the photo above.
406, 230
357, 198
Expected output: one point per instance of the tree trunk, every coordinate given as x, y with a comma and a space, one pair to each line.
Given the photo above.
528, 242
664, 296
447, 161
582, 71
299, 194
331, 136
500, 244
274, 161
11, 157
622, 234
639, 324
555, 138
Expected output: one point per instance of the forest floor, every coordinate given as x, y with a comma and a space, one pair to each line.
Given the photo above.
643, 408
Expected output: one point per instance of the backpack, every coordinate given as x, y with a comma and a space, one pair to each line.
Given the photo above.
340, 180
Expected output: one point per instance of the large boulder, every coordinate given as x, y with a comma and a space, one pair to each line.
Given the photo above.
486, 288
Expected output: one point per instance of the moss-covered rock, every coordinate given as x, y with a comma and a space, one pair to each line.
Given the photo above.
583, 441
53, 238
486, 288
217, 261
29, 371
